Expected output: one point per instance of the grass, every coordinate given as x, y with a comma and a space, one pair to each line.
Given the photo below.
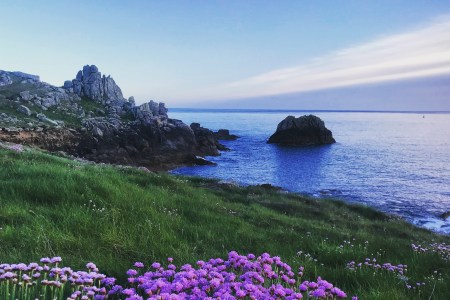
90, 105
115, 216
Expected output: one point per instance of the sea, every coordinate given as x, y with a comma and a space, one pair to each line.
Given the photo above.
397, 162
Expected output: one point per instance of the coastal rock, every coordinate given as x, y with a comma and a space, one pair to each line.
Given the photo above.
224, 134
90, 83
445, 215
153, 108
207, 142
102, 125
161, 143
302, 131
201, 161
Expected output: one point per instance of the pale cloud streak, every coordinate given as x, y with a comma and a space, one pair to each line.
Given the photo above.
422, 52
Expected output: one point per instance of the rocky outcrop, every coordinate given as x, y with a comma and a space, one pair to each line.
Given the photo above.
206, 140
148, 112
90, 83
104, 126
224, 134
5, 79
302, 131
155, 146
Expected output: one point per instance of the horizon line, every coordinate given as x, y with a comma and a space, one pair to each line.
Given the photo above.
310, 110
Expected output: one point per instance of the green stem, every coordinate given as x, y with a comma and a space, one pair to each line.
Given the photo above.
7, 289
61, 291
13, 293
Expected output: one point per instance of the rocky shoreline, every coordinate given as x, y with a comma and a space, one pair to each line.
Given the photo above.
88, 117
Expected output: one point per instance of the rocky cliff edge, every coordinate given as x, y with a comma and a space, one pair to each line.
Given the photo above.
89, 117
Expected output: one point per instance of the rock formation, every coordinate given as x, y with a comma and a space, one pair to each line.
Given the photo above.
99, 123
302, 131
224, 134
90, 83
4, 79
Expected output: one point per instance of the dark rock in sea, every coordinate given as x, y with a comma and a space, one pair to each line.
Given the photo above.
207, 142
302, 131
445, 215
224, 134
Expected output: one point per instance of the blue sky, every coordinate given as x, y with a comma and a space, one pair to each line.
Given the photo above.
233, 53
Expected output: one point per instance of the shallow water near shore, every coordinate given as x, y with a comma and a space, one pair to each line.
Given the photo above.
396, 162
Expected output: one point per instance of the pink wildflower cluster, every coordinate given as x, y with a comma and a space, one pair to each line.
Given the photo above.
399, 270
47, 279
238, 277
15, 147
372, 263
440, 248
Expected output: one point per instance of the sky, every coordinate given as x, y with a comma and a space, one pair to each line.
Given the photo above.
351, 55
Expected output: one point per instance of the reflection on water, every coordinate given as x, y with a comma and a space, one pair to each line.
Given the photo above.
399, 163
304, 164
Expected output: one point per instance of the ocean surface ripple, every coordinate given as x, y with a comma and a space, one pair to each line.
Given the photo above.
396, 162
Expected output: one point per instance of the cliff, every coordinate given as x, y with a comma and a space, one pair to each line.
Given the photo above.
89, 117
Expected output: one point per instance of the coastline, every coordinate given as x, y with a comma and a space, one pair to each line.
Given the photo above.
377, 160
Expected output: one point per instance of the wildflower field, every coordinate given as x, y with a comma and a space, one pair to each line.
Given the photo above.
82, 231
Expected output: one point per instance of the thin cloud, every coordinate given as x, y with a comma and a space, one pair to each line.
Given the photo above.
423, 52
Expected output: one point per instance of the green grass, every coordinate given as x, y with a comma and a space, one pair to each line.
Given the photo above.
47, 208
90, 105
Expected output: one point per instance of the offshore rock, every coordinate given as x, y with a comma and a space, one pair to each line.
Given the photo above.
302, 131
445, 215
224, 134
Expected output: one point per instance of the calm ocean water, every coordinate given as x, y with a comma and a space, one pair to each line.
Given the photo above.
396, 162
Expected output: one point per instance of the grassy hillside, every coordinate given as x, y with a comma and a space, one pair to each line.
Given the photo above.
51, 206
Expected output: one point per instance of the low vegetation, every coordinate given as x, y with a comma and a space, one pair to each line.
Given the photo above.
115, 216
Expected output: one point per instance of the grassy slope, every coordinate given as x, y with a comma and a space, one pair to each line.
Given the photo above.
47, 208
